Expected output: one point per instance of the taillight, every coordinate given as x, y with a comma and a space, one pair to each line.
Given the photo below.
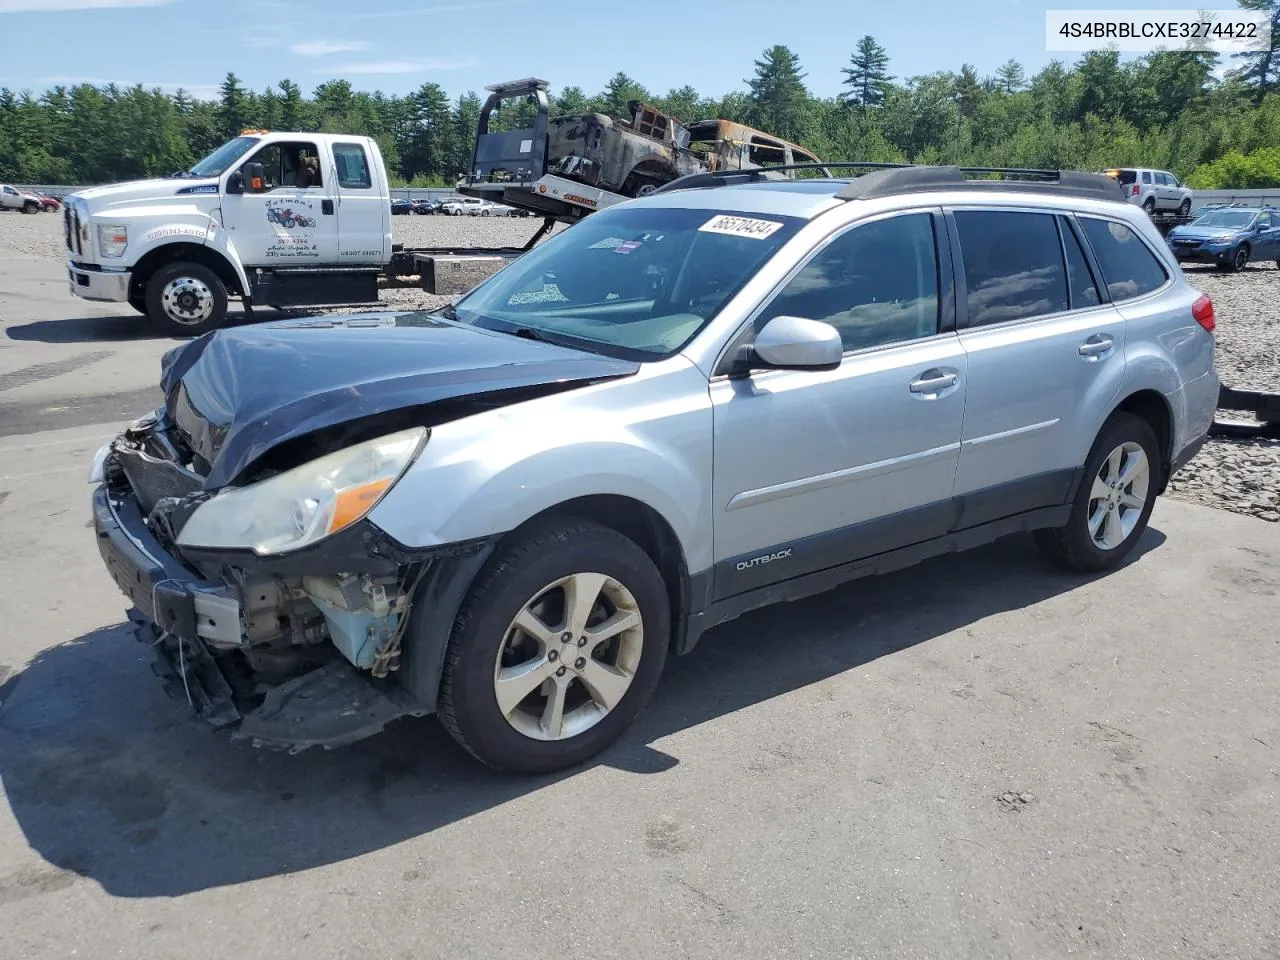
1202, 310
1134, 191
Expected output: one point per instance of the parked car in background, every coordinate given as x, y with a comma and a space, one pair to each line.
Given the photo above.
49, 202
467, 206
426, 207
1155, 191
401, 206
11, 198
1228, 236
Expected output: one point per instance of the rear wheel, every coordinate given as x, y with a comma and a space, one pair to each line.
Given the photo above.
1149, 205
558, 646
1114, 502
1184, 208
186, 299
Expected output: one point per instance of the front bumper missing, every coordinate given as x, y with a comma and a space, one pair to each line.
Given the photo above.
178, 615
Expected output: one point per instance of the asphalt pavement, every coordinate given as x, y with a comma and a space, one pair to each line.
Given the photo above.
978, 757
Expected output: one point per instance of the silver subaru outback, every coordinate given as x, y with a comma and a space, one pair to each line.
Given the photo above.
736, 391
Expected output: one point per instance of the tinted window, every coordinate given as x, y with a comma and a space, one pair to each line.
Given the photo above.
1012, 265
1129, 268
876, 283
1146, 177
1084, 292
1265, 221
1125, 176
353, 168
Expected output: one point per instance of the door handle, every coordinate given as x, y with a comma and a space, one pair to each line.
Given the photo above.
1096, 345
933, 381
326, 207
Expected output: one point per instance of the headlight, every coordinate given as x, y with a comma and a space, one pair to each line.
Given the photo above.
112, 239
307, 503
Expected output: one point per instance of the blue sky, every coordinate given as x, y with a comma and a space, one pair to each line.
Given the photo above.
396, 45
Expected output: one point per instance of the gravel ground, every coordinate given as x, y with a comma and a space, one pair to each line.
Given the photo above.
1239, 475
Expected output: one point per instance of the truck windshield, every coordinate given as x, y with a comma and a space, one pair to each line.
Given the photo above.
1234, 219
636, 283
217, 163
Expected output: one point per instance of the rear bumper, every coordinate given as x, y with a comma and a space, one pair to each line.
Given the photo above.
108, 286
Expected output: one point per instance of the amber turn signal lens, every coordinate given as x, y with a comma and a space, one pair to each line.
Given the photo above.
354, 502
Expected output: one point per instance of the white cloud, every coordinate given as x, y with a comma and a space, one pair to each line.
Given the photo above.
393, 66
200, 91
49, 6
320, 48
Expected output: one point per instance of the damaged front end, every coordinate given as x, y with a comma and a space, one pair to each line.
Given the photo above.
294, 650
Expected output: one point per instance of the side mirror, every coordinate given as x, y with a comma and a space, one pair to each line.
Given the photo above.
797, 343
235, 183
254, 178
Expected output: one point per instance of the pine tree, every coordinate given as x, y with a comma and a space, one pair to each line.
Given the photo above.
233, 111
778, 94
969, 91
1261, 70
1011, 77
867, 76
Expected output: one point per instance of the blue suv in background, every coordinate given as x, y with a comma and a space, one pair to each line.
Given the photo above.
1228, 236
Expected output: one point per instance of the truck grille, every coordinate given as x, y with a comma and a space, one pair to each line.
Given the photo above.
71, 226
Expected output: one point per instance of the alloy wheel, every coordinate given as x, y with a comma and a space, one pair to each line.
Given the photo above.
1119, 495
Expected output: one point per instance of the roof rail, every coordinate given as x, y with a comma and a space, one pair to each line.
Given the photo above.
889, 179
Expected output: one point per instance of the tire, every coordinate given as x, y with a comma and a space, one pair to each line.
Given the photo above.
164, 303
484, 637
1184, 208
1149, 205
484, 213
1074, 545
138, 302
30, 207
1239, 259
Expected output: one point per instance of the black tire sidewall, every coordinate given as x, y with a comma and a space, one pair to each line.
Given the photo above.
155, 309
1240, 259
494, 603
1121, 428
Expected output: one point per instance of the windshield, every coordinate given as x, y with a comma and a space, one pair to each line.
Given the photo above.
218, 162
1235, 219
636, 283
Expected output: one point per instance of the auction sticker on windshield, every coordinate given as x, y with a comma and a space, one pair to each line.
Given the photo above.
740, 226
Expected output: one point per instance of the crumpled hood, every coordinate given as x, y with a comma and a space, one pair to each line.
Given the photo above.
237, 393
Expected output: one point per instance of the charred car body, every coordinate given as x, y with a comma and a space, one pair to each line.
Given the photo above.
537, 167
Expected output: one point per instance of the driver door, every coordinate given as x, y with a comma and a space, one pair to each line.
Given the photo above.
291, 222
813, 469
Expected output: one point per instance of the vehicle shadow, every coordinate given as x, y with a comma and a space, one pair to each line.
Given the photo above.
110, 780
134, 326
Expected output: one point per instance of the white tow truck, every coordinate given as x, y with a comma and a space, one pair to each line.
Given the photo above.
276, 219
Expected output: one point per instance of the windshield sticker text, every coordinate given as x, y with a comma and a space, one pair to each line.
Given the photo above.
740, 226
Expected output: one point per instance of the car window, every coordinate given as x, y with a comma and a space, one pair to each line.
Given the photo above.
353, 166
1129, 268
637, 283
1173, 181
1123, 176
877, 283
10, 191
1084, 292
1012, 264
289, 164
1264, 221
1146, 176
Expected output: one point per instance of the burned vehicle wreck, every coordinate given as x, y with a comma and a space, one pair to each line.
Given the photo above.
634, 156
235, 516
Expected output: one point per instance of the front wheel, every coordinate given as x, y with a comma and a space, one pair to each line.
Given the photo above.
1114, 502
30, 207
1238, 260
558, 646
186, 299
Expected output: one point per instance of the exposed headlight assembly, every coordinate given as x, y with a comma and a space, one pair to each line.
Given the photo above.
112, 239
306, 504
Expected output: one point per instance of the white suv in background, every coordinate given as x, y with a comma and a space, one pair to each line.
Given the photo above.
1153, 190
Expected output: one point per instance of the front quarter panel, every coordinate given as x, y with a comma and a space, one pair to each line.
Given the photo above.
646, 437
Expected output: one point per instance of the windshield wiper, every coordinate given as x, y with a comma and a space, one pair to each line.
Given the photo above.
528, 333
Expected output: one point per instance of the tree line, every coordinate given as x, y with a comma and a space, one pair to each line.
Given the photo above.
1169, 110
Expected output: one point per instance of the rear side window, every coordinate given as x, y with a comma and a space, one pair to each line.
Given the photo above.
1126, 176
1013, 265
353, 168
1084, 292
1146, 176
877, 284
1129, 268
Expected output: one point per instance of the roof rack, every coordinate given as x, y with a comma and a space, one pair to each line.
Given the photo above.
890, 179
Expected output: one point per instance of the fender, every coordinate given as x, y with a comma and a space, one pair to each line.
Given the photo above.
486, 474
220, 240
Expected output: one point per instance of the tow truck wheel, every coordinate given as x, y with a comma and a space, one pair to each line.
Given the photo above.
138, 302
186, 299
558, 646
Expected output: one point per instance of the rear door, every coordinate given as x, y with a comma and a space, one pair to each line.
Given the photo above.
363, 211
1043, 346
